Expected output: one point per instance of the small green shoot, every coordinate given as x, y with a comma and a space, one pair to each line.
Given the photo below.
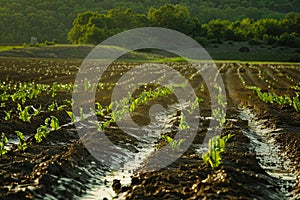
72, 116
3, 142
54, 123
183, 123
51, 107
7, 115
103, 125
99, 110
216, 146
59, 108
82, 115
22, 144
175, 144
36, 111
202, 88
296, 103
42, 131
24, 114
194, 105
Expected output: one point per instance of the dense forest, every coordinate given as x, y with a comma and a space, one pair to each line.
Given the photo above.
52, 20
92, 27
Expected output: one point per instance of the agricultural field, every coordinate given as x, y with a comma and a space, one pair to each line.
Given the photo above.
256, 156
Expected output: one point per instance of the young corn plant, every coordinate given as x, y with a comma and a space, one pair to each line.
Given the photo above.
24, 113
72, 116
216, 146
42, 131
175, 144
3, 142
296, 103
54, 90
183, 123
54, 106
202, 88
22, 144
51, 107
7, 115
220, 116
69, 102
87, 86
54, 123
59, 107
4, 96
99, 110
194, 105
103, 125
36, 111
218, 113
82, 115
34, 93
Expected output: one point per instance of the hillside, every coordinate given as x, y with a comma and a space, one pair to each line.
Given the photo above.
52, 20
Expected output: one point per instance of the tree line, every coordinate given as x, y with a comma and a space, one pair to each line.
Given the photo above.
92, 27
49, 20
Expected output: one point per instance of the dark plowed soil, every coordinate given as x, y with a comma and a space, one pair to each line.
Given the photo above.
61, 168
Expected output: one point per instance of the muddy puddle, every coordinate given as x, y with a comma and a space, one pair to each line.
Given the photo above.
268, 153
136, 155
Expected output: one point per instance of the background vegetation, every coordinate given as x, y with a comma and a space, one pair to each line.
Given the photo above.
202, 19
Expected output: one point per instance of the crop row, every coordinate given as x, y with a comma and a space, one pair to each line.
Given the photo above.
272, 98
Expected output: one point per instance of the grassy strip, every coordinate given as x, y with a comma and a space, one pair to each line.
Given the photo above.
8, 48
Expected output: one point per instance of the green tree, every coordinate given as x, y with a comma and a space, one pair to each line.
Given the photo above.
217, 29
171, 16
292, 23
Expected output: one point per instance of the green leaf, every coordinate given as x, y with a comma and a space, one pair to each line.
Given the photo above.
72, 116
3, 142
22, 144
54, 124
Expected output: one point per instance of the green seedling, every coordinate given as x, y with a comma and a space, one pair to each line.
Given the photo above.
53, 90
296, 103
59, 108
72, 116
36, 111
219, 113
22, 144
42, 131
109, 107
4, 96
3, 142
216, 146
51, 107
82, 115
7, 115
54, 123
175, 144
183, 123
34, 93
220, 116
87, 86
103, 125
24, 114
133, 105
202, 88
69, 102
99, 110
194, 105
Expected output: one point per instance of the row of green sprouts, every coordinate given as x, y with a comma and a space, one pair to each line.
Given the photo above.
51, 124
113, 112
272, 97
